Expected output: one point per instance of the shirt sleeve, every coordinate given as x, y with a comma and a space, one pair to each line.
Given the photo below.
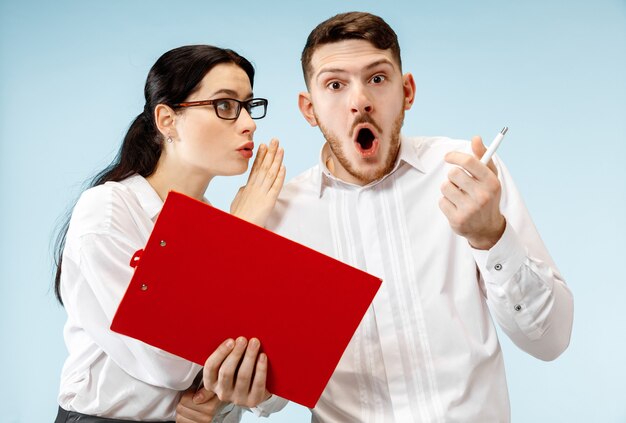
525, 291
271, 405
104, 274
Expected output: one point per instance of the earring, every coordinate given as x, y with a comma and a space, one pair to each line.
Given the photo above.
169, 140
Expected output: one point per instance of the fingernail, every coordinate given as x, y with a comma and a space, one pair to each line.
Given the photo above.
262, 358
241, 340
198, 397
230, 343
254, 342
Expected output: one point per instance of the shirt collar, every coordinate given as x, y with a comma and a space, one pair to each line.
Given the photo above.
409, 154
147, 196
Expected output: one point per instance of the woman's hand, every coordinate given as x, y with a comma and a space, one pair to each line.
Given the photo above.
236, 372
256, 199
199, 406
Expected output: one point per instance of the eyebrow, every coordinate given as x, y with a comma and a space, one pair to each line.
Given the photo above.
368, 67
230, 93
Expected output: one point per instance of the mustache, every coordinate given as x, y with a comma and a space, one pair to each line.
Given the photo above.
365, 119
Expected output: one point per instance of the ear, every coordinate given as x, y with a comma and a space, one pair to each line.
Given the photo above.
408, 86
306, 107
165, 119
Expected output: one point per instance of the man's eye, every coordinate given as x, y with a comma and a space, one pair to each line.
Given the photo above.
378, 79
334, 85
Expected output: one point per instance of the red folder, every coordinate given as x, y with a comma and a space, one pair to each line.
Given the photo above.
205, 276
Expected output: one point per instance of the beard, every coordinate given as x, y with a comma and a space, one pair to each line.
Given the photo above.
365, 176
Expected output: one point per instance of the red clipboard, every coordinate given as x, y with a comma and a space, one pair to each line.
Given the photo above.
205, 276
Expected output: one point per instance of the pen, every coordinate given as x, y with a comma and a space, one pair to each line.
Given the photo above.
493, 146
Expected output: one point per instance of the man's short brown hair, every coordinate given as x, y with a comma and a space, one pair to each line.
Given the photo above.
350, 26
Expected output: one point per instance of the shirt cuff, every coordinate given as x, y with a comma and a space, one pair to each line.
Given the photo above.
503, 260
230, 413
271, 405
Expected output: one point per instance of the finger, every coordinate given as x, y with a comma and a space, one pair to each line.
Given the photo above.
278, 182
228, 370
202, 395
468, 162
479, 150
187, 411
258, 392
461, 179
449, 209
244, 374
214, 362
180, 418
274, 169
453, 194
268, 159
260, 156
236, 200
188, 415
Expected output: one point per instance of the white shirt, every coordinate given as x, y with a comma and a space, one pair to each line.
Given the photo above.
108, 374
427, 349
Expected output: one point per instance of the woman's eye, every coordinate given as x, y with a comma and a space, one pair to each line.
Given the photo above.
224, 105
378, 79
334, 85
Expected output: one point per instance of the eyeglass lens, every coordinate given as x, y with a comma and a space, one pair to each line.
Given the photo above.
230, 108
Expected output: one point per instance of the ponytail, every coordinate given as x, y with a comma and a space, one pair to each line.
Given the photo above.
139, 153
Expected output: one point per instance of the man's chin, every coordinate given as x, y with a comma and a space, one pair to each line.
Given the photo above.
366, 171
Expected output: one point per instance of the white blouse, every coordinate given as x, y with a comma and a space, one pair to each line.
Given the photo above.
108, 374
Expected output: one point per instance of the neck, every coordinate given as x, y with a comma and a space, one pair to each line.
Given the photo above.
167, 177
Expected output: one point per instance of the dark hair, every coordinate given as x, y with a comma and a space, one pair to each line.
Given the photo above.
172, 79
350, 26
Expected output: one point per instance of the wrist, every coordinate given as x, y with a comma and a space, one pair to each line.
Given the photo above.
488, 239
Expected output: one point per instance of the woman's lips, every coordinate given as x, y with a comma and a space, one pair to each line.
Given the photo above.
246, 150
246, 153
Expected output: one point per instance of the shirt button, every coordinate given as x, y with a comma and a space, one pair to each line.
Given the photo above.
517, 307
498, 266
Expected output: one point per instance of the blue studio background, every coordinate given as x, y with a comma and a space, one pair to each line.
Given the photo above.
71, 81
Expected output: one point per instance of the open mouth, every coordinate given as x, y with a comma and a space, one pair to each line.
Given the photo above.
366, 142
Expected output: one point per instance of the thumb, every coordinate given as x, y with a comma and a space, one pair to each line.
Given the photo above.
478, 148
235, 203
202, 395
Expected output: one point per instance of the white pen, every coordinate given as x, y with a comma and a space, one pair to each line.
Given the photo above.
493, 146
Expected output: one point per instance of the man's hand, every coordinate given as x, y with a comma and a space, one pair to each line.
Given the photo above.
471, 198
198, 406
256, 199
236, 372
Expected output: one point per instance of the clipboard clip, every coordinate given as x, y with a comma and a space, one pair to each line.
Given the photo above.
134, 261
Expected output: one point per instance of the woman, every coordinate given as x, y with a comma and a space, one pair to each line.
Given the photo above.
197, 123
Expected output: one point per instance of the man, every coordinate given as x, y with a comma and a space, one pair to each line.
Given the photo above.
449, 236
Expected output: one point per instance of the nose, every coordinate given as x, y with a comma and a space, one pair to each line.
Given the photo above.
245, 123
360, 100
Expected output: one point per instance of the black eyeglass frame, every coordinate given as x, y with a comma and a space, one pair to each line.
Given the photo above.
240, 105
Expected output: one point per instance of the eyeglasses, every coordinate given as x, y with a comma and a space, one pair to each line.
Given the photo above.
229, 108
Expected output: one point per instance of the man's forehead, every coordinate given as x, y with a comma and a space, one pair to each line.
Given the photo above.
347, 54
